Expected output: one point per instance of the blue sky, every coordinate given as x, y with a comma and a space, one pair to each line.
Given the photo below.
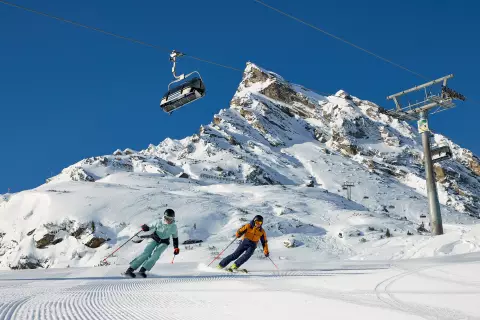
67, 93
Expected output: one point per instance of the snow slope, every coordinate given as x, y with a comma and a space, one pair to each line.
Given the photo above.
279, 150
434, 288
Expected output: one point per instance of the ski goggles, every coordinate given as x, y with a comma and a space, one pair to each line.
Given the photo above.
259, 223
169, 219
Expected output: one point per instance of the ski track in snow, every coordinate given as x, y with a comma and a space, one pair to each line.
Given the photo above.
385, 295
196, 295
427, 312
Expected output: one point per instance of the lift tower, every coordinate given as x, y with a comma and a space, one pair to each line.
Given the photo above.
348, 186
419, 111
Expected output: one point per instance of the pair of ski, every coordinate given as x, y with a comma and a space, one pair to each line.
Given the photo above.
236, 270
142, 275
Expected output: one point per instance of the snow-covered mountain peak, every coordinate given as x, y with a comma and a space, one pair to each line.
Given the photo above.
254, 141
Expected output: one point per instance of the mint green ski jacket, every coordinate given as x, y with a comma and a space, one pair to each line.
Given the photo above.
163, 230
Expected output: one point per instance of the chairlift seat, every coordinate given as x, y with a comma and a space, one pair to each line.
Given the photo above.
183, 94
441, 153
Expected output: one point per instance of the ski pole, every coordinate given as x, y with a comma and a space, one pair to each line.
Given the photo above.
173, 258
273, 262
111, 254
222, 251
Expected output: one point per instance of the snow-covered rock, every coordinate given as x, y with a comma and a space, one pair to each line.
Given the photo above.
290, 243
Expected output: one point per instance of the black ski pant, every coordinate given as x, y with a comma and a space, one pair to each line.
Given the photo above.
247, 247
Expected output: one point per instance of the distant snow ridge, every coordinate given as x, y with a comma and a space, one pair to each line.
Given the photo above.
274, 134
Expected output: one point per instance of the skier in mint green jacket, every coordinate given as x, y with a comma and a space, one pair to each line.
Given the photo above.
161, 231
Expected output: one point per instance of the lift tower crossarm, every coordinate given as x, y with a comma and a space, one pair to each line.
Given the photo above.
442, 79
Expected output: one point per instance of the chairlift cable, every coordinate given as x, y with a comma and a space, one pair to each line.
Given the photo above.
340, 39
214, 63
201, 59
349, 43
113, 34
133, 40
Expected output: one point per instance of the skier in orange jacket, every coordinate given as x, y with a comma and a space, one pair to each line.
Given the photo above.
251, 232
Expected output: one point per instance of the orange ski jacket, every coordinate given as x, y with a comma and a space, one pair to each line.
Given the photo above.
252, 233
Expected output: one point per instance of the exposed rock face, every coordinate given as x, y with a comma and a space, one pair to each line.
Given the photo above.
282, 92
52, 234
45, 241
474, 164
78, 232
81, 175
95, 242
258, 177
256, 75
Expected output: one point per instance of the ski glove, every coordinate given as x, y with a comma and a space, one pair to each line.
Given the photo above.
176, 251
145, 227
265, 252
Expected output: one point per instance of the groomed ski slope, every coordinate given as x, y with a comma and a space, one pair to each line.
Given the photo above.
433, 288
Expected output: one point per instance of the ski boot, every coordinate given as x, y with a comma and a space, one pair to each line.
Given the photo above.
219, 267
130, 273
233, 268
142, 272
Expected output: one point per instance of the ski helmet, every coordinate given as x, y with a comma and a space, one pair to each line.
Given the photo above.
169, 214
258, 218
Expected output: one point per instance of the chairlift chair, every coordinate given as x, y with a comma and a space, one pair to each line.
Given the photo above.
441, 153
183, 93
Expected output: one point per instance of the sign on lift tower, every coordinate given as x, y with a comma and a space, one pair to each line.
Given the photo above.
419, 111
